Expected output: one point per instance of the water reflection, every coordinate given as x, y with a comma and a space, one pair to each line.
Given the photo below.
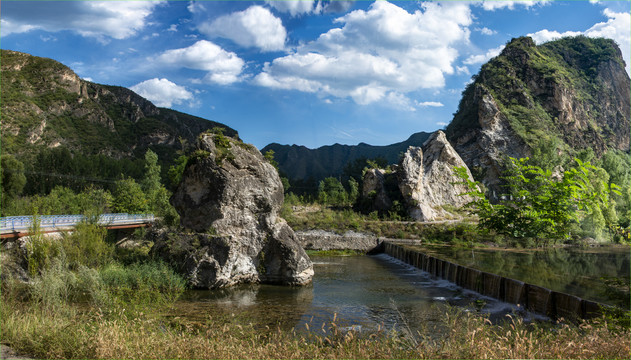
366, 293
574, 271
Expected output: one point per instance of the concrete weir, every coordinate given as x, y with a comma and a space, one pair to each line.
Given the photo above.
532, 297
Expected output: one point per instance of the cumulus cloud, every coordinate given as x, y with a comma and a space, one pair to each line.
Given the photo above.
99, 19
295, 8
616, 27
223, 67
482, 58
301, 7
378, 54
492, 5
254, 27
162, 92
486, 31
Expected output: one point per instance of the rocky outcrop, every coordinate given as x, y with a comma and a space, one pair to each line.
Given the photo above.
488, 145
229, 199
426, 181
561, 97
373, 187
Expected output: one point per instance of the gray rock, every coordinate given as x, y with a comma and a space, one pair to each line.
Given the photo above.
229, 198
374, 186
328, 240
426, 181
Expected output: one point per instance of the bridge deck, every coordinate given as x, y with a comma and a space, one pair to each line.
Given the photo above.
18, 226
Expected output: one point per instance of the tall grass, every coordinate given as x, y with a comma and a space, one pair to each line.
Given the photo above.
73, 334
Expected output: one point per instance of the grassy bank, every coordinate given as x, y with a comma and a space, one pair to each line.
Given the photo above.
110, 305
70, 332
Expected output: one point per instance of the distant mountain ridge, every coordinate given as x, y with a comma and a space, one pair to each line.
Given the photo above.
300, 162
52, 118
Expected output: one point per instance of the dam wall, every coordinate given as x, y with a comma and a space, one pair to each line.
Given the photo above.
531, 297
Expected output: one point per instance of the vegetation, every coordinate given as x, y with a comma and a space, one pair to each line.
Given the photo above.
539, 206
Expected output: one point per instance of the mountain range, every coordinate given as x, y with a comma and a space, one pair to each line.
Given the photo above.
548, 102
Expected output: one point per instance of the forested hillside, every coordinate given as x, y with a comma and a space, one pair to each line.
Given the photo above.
71, 132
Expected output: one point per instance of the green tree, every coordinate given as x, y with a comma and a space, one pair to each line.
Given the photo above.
129, 197
353, 190
539, 206
151, 181
176, 171
12, 177
269, 156
332, 192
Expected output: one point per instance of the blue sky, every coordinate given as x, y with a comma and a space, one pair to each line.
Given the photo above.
309, 72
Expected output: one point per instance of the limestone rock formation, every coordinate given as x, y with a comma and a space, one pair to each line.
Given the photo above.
425, 178
374, 186
229, 198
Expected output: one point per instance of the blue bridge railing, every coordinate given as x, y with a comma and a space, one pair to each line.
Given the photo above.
52, 222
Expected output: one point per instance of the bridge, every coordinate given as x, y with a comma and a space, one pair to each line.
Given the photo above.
18, 226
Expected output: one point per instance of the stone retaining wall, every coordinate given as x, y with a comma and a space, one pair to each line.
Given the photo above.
328, 240
531, 297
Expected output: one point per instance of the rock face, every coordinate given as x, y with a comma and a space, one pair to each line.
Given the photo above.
229, 198
425, 178
563, 96
374, 186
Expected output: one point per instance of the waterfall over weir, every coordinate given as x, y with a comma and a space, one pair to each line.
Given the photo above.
532, 297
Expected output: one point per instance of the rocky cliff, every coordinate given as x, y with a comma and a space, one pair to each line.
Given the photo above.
229, 199
549, 101
426, 181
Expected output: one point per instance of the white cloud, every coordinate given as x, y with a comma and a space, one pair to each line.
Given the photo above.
172, 28
223, 67
378, 54
99, 19
486, 31
482, 58
429, 103
616, 28
442, 123
462, 70
296, 7
301, 7
194, 7
254, 27
545, 35
162, 92
492, 5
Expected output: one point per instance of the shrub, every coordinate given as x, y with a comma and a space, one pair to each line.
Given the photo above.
86, 246
143, 284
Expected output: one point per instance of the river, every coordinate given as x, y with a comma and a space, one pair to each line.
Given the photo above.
365, 293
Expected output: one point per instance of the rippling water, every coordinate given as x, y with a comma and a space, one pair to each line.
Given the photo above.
364, 292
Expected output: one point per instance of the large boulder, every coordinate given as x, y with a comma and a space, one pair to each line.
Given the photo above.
427, 179
426, 182
228, 200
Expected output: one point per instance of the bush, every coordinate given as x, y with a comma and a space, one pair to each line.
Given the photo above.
86, 246
143, 284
